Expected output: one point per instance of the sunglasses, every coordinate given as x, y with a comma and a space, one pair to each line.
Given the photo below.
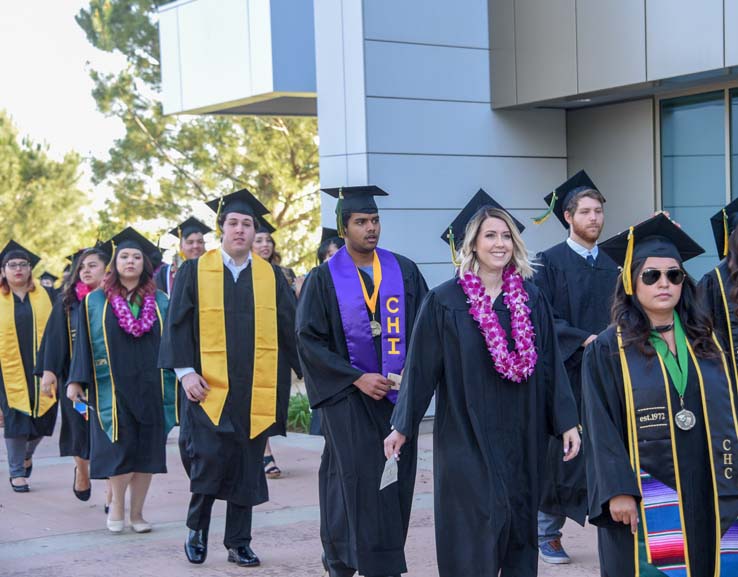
652, 275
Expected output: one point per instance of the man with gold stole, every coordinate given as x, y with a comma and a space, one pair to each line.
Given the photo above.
230, 338
354, 322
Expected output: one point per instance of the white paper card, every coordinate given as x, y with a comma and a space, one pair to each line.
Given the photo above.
389, 475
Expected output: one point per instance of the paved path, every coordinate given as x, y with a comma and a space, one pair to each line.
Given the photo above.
49, 533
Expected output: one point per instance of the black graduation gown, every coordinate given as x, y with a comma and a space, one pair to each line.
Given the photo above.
609, 472
222, 460
54, 355
490, 434
361, 526
580, 296
18, 424
712, 300
161, 278
141, 445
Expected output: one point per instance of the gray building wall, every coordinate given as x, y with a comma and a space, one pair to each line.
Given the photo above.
404, 102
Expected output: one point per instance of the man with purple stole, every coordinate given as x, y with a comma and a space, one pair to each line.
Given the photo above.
354, 322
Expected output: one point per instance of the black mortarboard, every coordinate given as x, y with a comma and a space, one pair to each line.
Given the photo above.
130, 238
353, 199
723, 222
558, 200
241, 201
327, 234
15, 250
47, 275
73, 257
658, 236
262, 225
187, 227
479, 200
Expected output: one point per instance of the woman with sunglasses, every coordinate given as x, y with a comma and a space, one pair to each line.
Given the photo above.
659, 434
29, 415
54, 358
719, 287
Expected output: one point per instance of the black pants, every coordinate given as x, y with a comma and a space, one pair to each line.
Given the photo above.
238, 520
337, 568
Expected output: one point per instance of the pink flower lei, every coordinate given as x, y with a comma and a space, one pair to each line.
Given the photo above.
516, 365
131, 325
81, 290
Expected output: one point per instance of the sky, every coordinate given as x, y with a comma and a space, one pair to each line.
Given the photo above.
44, 84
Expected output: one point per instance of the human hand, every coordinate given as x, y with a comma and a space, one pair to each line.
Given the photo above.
572, 444
373, 385
195, 387
393, 443
623, 509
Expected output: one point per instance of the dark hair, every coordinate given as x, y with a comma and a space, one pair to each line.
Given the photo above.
13, 255
573, 204
326, 244
733, 265
223, 215
69, 292
628, 314
113, 287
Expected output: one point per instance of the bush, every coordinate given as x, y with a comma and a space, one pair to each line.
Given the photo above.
298, 414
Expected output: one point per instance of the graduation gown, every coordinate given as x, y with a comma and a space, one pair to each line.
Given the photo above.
490, 434
712, 299
222, 461
18, 424
580, 296
609, 472
361, 526
162, 278
140, 447
54, 355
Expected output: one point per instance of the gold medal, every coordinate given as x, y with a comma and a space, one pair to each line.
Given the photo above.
376, 328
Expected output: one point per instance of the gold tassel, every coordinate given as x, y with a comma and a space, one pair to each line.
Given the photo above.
627, 277
179, 250
218, 230
339, 215
725, 233
544, 217
112, 256
454, 257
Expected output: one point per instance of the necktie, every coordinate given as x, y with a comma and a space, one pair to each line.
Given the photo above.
590, 260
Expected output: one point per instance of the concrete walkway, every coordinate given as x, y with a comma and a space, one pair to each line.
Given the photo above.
49, 533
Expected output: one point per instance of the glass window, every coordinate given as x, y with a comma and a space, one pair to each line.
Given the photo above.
693, 183
734, 142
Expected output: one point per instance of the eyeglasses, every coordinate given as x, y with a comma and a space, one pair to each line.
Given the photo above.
652, 275
18, 265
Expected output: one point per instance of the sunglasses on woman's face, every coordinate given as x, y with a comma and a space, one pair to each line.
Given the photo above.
652, 275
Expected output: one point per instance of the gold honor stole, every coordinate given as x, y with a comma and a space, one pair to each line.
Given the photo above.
660, 545
213, 346
14, 374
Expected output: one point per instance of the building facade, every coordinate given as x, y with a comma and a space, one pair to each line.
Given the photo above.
433, 99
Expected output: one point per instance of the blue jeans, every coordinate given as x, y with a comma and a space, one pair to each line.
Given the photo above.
549, 527
19, 449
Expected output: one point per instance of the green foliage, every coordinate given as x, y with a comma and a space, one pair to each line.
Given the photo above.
298, 414
40, 199
165, 163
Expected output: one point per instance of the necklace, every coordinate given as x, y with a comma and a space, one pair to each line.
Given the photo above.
515, 365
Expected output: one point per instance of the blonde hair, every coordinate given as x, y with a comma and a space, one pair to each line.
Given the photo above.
469, 261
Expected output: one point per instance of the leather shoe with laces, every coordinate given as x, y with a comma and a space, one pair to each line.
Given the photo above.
196, 546
243, 556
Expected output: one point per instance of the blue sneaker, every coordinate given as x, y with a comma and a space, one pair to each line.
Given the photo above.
552, 552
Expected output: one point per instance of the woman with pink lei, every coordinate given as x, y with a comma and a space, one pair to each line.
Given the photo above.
484, 343
132, 402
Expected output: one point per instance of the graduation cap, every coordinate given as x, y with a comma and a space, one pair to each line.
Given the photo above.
723, 222
48, 276
189, 226
456, 231
241, 201
354, 199
14, 250
558, 200
73, 257
658, 236
328, 234
263, 225
130, 238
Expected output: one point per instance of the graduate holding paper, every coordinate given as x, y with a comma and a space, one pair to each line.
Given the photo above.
230, 337
354, 320
485, 344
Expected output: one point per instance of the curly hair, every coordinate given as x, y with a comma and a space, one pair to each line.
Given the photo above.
628, 314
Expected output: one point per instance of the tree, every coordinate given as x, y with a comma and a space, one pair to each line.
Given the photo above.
42, 204
165, 164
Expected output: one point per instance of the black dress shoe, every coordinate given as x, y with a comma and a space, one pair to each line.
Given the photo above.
243, 556
19, 488
81, 495
196, 546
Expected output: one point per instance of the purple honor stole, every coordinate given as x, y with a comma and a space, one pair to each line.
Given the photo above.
355, 320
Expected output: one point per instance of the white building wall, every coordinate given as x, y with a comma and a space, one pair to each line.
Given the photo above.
404, 102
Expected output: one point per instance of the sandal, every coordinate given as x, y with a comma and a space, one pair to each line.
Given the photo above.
28, 470
273, 472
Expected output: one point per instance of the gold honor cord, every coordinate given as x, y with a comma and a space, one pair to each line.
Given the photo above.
11, 362
371, 302
628, 264
725, 233
213, 346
